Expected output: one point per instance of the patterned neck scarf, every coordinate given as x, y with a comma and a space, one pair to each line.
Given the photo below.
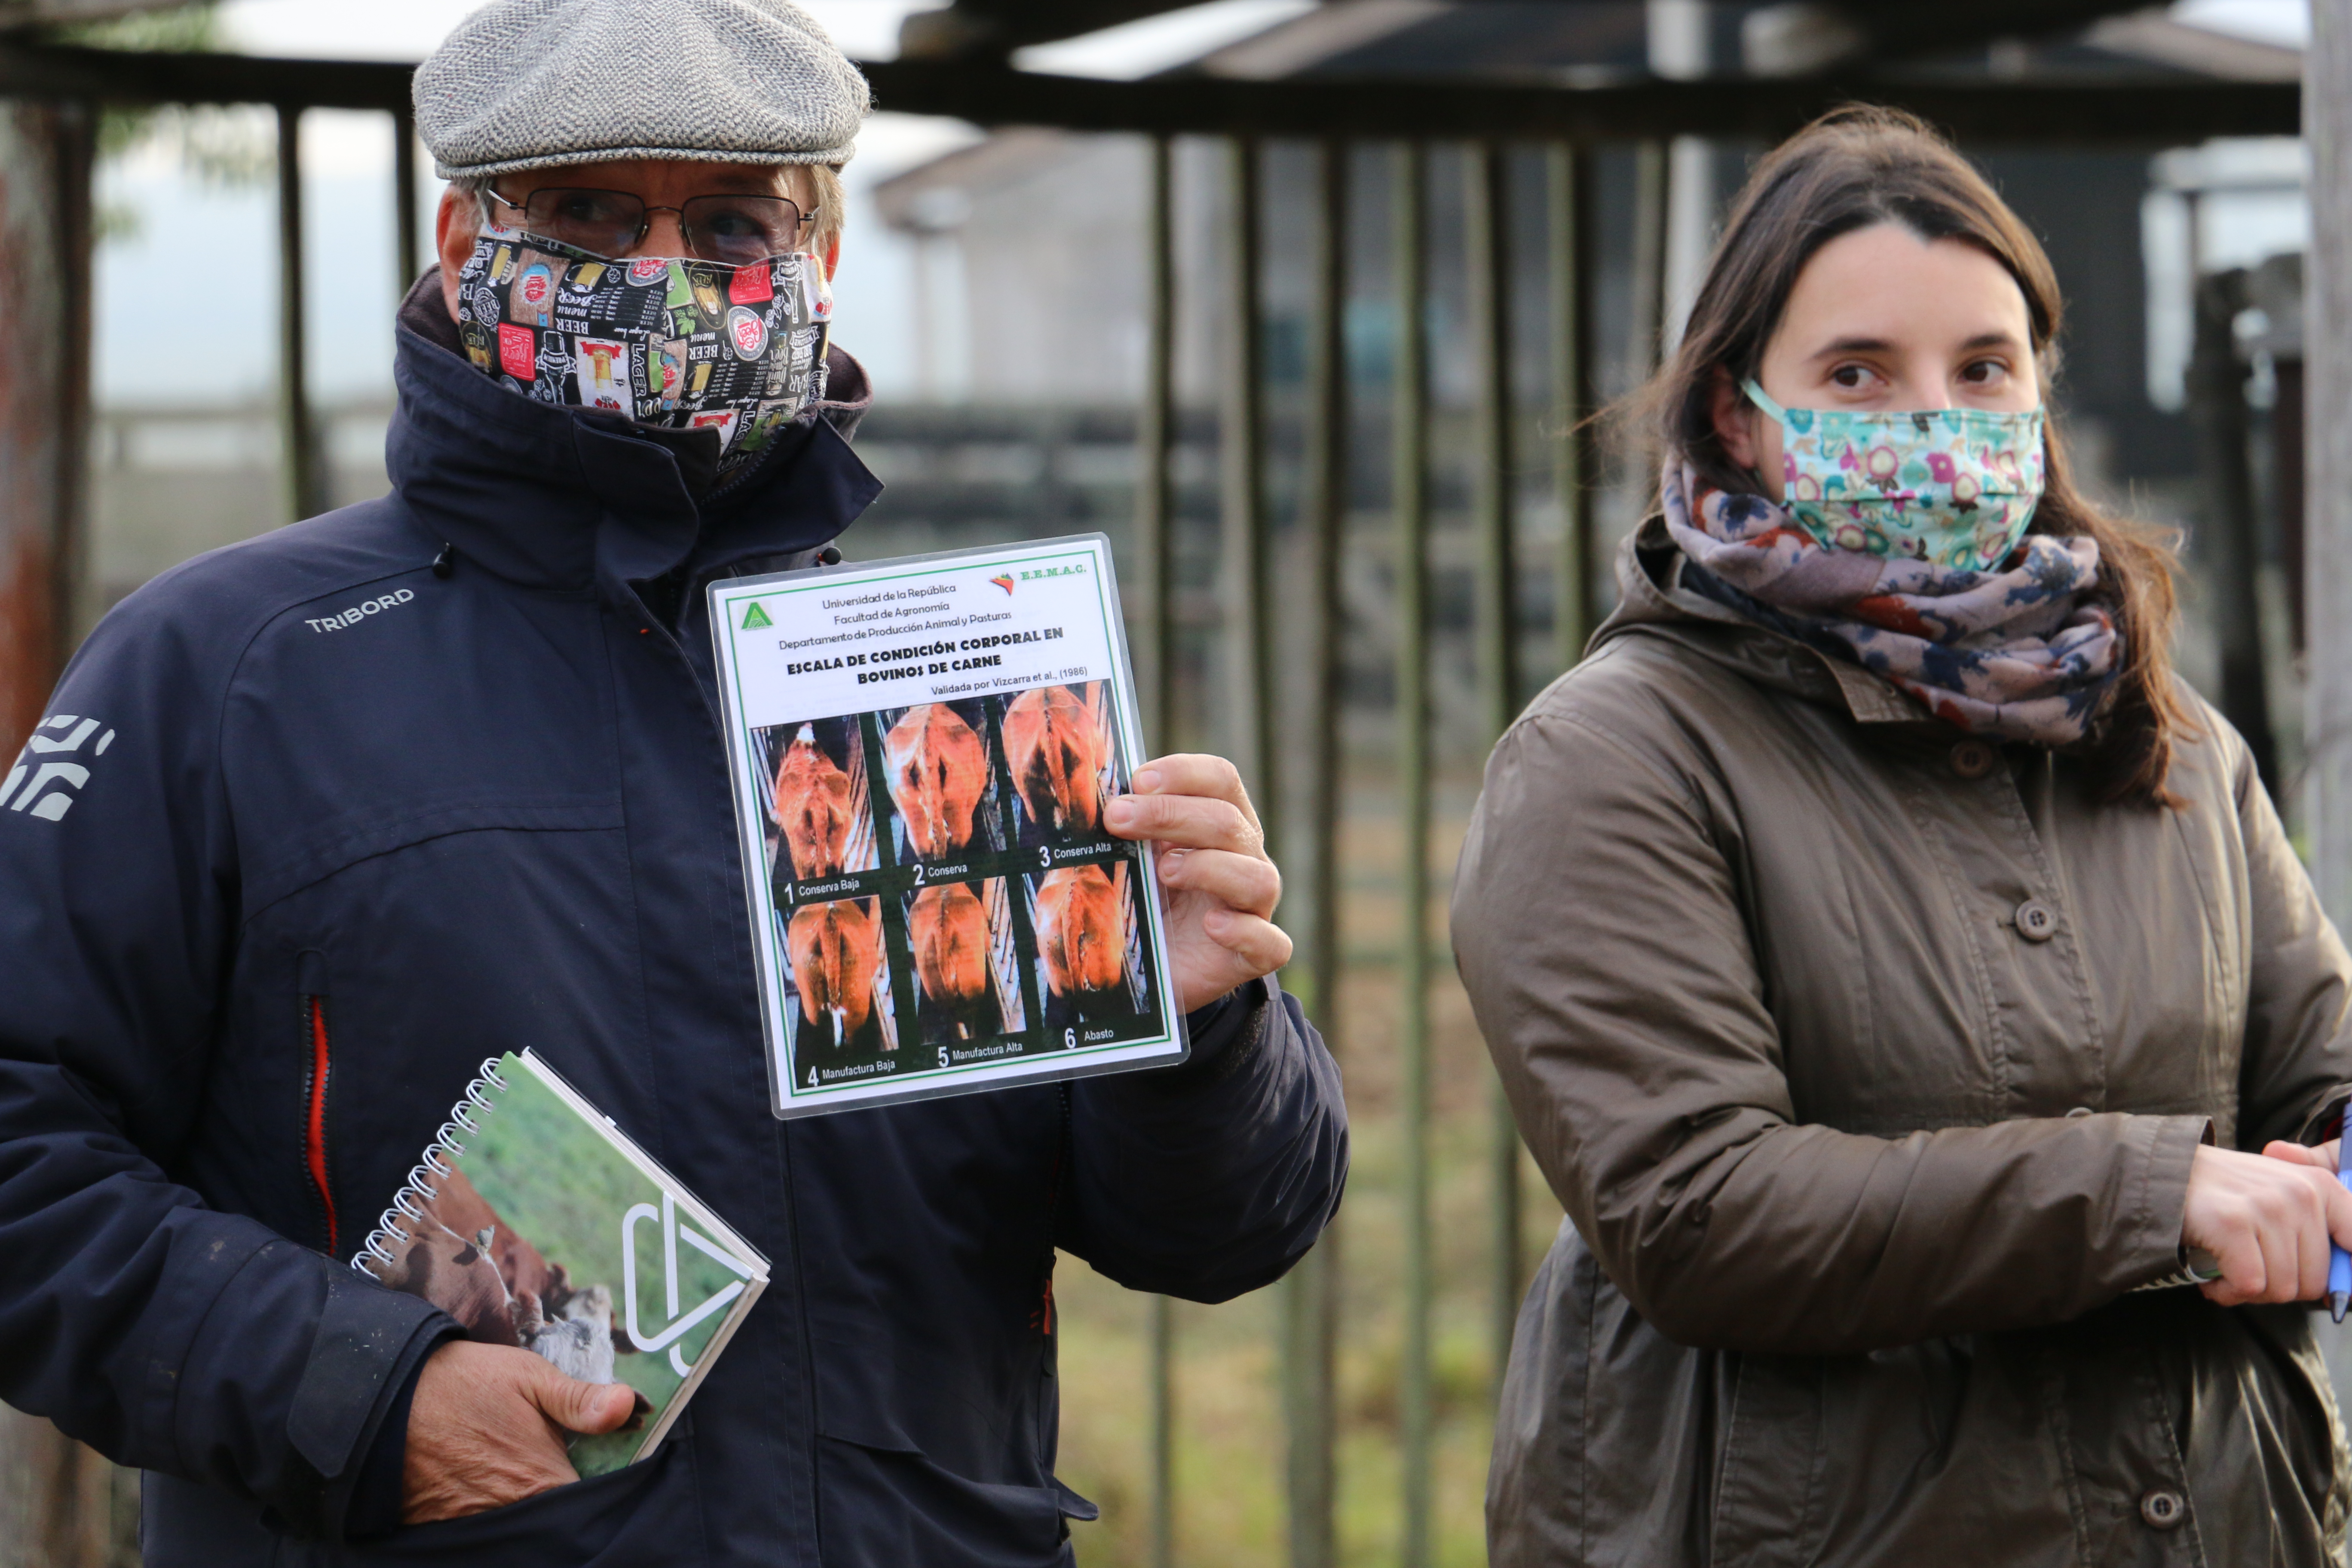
2015, 653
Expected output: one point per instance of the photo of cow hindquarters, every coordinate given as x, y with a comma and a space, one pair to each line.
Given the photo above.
819, 808
967, 961
1057, 744
835, 954
812, 807
941, 780
1089, 946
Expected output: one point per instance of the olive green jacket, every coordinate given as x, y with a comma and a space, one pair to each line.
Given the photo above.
1868, 1060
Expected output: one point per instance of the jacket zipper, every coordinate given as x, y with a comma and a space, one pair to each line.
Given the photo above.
314, 1125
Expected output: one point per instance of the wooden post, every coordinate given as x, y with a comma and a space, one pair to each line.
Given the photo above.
57, 1499
2328, 720
45, 238
55, 1495
2328, 489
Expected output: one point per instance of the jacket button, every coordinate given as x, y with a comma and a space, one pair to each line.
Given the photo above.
2036, 922
1973, 759
2163, 1508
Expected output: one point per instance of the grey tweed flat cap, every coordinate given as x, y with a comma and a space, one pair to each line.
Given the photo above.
537, 84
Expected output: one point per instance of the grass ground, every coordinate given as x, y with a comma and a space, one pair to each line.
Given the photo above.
1230, 1437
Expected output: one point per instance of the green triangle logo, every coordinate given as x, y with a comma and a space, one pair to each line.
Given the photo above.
756, 618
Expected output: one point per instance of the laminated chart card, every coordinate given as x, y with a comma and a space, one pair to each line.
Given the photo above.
922, 750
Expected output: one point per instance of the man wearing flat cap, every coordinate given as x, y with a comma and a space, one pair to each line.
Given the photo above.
299, 870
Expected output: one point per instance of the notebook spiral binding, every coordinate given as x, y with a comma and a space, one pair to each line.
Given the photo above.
419, 1188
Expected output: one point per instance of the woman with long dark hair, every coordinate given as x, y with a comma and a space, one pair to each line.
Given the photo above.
1901, 976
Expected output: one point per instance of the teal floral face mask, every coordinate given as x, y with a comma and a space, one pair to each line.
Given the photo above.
1952, 487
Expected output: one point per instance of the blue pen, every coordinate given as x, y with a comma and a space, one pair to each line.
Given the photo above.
2339, 1262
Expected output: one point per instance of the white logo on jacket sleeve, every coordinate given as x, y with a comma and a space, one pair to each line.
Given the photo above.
45, 787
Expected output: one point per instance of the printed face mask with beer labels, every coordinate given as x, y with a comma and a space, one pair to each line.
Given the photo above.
1951, 486
671, 341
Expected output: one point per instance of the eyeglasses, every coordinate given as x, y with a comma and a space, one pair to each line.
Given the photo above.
731, 230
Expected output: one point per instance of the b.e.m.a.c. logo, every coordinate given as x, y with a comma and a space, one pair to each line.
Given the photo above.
1030, 574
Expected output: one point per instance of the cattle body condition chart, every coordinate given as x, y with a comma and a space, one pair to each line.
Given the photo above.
923, 749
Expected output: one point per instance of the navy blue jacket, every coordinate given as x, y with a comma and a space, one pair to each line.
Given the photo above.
308, 781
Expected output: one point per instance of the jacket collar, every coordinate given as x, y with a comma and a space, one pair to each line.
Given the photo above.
1651, 599
556, 497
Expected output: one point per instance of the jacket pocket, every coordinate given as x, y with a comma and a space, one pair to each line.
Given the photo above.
894, 1505
901, 1436
642, 1513
1768, 1486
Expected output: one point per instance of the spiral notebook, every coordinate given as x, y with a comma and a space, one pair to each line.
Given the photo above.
534, 1221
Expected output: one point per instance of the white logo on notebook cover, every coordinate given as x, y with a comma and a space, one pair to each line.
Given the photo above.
667, 1338
49, 803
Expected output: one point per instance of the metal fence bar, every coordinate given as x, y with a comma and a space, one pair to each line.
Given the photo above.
2125, 109
1155, 553
1155, 437
1163, 1432
1241, 449
305, 489
1408, 441
1311, 1305
1648, 309
405, 265
1575, 461
1487, 239
2229, 548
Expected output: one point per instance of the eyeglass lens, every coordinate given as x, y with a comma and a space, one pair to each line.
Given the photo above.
731, 229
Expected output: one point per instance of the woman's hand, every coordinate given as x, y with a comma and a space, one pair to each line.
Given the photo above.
1222, 889
2267, 1218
